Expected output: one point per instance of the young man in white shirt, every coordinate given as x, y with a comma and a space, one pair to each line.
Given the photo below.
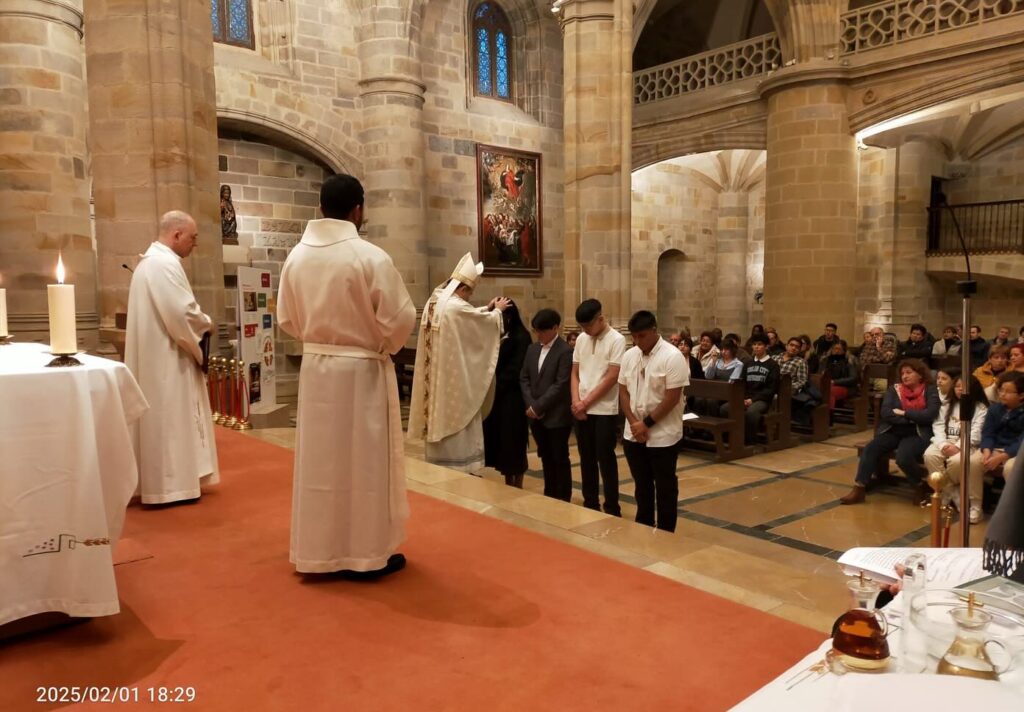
651, 382
595, 404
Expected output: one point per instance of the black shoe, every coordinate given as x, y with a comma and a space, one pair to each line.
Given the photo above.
396, 562
592, 505
615, 512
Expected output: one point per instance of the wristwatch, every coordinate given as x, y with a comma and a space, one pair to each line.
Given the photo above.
649, 421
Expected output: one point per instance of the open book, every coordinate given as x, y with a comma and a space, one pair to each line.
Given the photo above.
945, 567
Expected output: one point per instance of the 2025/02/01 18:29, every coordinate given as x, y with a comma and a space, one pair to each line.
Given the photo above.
114, 694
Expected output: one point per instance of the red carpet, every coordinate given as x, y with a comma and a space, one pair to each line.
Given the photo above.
485, 617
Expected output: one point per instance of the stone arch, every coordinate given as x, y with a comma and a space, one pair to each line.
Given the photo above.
673, 279
649, 149
285, 135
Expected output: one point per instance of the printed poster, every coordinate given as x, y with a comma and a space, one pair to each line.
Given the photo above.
256, 306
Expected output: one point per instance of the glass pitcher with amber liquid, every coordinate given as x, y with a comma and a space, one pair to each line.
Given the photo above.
967, 655
860, 639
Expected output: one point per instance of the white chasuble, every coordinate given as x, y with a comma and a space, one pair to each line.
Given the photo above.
174, 442
343, 298
456, 354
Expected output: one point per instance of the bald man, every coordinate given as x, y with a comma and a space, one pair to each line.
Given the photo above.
174, 442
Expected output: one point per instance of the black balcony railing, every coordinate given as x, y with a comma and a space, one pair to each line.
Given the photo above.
996, 227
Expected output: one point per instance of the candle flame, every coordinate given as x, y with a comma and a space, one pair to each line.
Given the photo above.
60, 269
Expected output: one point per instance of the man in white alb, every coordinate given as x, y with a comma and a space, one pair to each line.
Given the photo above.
343, 298
595, 404
453, 382
651, 380
174, 443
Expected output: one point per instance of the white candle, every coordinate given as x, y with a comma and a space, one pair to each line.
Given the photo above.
61, 298
3, 313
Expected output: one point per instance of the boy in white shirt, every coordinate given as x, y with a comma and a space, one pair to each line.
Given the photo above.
651, 382
595, 404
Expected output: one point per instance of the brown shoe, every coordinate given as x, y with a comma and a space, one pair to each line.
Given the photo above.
855, 496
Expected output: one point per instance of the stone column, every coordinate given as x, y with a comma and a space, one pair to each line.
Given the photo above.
153, 122
597, 127
731, 294
915, 297
392, 138
810, 208
44, 194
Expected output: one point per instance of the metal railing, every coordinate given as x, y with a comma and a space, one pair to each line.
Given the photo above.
708, 69
995, 227
896, 21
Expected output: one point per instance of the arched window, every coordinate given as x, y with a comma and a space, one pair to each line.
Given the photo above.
492, 52
232, 22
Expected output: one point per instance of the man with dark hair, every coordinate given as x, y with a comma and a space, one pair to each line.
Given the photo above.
762, 383
917, 345
344, 300
544, 381
979, 347
824, 343
651, 383
595, 404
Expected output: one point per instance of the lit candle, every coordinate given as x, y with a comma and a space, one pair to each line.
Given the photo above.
61, 298
3, 313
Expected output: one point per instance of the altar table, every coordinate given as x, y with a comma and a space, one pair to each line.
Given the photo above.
67, 473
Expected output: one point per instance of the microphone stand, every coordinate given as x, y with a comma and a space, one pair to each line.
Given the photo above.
966, 288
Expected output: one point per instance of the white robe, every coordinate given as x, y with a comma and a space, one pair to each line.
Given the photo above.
343, 298
174, 442
453, 387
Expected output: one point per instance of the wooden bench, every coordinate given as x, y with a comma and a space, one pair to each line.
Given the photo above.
880, 371
946, 362
821, 418
733, 426
778, 421
404, 362
856, 407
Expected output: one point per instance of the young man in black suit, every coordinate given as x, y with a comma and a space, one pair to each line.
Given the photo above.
545, 385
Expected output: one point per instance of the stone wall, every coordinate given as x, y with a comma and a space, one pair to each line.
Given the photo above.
454, 121
274, 191
675, 208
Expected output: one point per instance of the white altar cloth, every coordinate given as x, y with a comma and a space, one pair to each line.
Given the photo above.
67, 473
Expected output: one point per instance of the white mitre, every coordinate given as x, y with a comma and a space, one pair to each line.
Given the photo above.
466, 272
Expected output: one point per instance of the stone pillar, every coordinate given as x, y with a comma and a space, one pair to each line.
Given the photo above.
392, 138
597, 127
810, 208
44, 194
153, 122
731, 294
915, 297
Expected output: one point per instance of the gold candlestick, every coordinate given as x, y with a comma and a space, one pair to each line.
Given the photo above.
232, 390
242, 414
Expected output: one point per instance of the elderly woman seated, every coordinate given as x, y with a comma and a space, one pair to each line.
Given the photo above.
909, 408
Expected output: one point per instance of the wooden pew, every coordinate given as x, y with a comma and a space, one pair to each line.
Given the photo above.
733, 426
820, 427
872, 371
943, 363
404, 362
778, 421
856, 407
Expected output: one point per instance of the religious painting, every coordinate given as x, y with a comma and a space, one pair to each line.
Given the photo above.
509, 211
249, 301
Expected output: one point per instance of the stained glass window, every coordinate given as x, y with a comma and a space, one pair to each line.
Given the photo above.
492, 63
231, 21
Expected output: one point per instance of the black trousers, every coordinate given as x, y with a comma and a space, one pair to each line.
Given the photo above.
553, 450
595, 438
657, 488
752, 417
909, 447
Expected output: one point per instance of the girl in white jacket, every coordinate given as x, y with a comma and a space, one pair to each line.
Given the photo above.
943, 455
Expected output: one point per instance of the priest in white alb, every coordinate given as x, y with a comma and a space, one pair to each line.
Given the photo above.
174, 443
345, 300
456, 354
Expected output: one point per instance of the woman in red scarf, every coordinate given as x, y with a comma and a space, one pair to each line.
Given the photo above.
908, 410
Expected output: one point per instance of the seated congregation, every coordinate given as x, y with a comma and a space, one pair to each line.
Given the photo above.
744, 397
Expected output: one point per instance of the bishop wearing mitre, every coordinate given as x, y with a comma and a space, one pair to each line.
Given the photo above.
456, 354
174, 443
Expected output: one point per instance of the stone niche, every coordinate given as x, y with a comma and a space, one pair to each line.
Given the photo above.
275, 191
